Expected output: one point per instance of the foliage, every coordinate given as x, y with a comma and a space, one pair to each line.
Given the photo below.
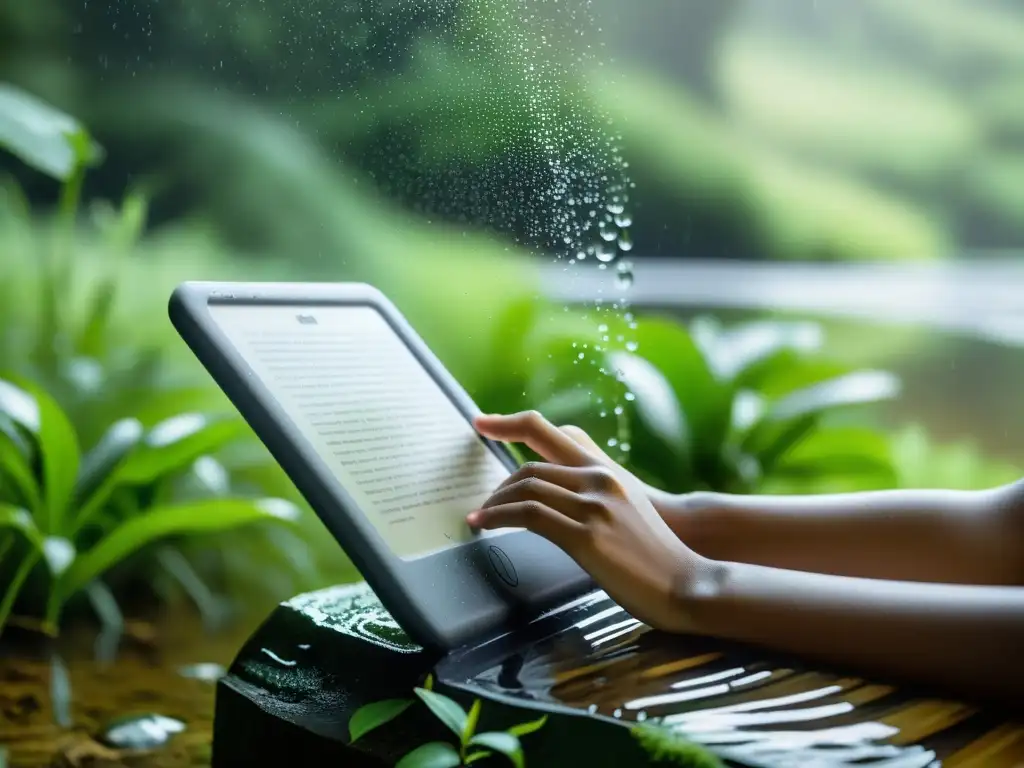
665, 745
83, 515
472, 746
921, 462
727, 409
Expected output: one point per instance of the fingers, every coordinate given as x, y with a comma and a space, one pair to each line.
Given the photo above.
532, 515
536, 432
573, 478
558, 498
582, 438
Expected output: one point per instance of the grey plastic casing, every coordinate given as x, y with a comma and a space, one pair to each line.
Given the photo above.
468, 593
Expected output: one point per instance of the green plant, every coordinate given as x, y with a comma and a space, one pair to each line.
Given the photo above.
96, 518
733, 409
665, 745
472, 746
921, 462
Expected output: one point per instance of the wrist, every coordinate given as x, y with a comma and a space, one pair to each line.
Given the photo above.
699, 590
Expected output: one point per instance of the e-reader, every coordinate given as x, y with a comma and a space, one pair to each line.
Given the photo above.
377, 436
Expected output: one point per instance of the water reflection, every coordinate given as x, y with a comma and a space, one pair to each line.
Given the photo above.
592, 656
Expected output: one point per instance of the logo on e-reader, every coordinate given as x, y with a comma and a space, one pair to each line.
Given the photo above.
306, 319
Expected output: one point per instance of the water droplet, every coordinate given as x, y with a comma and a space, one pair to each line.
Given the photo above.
580, 355
625, 241
607, 231
624, 278
632, 346
618, 410
624, 447
605, 252
603, 414
612, 442
623, 220
630, 396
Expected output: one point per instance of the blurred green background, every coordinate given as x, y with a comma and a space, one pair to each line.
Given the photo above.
445, 150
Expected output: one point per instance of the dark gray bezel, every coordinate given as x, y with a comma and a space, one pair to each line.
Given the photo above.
443, 600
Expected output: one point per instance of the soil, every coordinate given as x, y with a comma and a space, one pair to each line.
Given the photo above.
150, 676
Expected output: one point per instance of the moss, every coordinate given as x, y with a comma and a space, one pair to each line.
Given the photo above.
667, 746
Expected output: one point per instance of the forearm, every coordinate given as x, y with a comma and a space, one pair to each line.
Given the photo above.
965, 638
939, 536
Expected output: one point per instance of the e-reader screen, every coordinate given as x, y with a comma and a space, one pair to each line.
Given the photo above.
375, 416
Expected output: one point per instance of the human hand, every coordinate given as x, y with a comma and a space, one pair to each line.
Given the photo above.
599, 514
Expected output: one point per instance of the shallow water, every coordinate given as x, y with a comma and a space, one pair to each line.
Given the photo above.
743, 704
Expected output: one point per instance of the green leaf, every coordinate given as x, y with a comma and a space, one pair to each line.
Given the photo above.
174, 444
503, 742
19, 407
706, 403
525, 729
58, 445
752, 351
845, 451
211, 516
15, 466
445, 709
93, 336
97, 475
471, 720
16, 519
859, 387
42, 136
374, 715
478, 754
656, 405
436, 754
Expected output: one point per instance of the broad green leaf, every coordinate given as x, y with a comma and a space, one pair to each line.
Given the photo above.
15, 466
471, 720
750, 351
374, 715
174, 444
12, 432
190, 519
436, 754
445, 709
790, 371
769, 441
705, 402
19, 407
42, 136
503, 742
655, 404
840, 451
17, 519
58, 445
854, 388
525, 729
97, 475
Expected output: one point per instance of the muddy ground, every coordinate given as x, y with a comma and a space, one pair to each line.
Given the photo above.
154, 673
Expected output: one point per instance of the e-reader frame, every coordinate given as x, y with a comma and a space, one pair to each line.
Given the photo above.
468, 592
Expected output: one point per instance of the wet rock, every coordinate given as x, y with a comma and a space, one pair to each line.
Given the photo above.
141, 732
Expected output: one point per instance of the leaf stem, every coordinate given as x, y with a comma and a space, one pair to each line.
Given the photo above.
14, 588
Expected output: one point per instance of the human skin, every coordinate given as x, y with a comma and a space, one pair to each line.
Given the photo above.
916, 585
